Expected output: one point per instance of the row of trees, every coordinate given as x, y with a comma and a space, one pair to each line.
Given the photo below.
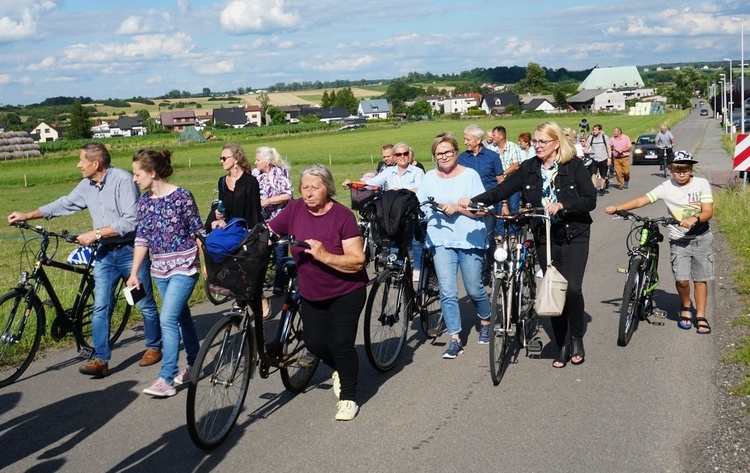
344, 98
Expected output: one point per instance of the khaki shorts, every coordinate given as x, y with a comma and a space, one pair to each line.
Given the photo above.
693, 260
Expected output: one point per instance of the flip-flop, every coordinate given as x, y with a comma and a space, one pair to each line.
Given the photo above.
701, 326
685, 323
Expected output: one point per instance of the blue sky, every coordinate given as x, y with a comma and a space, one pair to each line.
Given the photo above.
126, 48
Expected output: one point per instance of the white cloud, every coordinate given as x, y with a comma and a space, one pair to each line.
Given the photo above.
4, 78
130, 26
142, 47
45, 63
57, 79
19, 18
183, 5
155, 79
286, 45
256, 16
221, 67
338, 64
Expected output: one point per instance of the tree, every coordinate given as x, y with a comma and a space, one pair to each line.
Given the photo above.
684, 84
206, 92
561, 99
421, 108
278, 116
399, 90
325, 101
535, 80
263, 102
143, 113
345, 99
80, 123
240, 91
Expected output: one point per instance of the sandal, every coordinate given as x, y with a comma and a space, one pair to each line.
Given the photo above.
562, 358
701, 326
576, 348
266, 308
685, 323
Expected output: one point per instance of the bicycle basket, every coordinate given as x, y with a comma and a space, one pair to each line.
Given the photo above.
361, 194
243, 270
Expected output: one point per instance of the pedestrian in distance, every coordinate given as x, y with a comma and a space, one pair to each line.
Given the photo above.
110, 196
690, 201
599, 147
621, 146
167, 222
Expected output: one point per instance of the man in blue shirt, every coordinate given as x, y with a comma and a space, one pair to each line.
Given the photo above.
110, 195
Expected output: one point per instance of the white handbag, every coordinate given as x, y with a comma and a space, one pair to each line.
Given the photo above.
552, 287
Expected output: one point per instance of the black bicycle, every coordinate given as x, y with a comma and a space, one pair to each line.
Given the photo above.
361, 194
513, 290
643, 272
236, 344
665, 159
22, 312
393, 302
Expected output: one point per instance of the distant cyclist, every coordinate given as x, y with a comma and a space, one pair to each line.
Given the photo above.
665, 141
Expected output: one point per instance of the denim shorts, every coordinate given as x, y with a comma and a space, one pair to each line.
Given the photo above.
693, 260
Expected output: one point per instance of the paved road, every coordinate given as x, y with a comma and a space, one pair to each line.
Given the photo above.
638, 409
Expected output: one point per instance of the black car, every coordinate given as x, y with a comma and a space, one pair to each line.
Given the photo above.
644, 150
704, 112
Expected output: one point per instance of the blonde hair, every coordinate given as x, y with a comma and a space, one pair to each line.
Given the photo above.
566, 151
271, 156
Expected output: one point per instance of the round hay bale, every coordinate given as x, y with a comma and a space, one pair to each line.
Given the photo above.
5, 155
35, 153
18, 155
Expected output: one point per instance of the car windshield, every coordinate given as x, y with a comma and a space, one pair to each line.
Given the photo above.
645, 140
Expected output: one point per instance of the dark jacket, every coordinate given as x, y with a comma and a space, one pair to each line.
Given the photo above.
573, 188
243, 202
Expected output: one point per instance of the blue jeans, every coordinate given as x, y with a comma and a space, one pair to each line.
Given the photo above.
176, 322
279, 278
447, 261
514, 205
111, 264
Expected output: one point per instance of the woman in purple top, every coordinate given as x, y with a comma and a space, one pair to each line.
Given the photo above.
167, 221
332, 278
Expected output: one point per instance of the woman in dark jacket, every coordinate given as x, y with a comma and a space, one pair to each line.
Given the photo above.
562, 185
238, 190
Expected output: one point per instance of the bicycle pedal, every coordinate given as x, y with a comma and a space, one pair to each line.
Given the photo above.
535, 346
659, 313
86, 352
48, 303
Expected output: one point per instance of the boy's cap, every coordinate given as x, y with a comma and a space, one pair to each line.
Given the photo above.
683, 157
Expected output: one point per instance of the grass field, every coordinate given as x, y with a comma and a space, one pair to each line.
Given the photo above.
349, 154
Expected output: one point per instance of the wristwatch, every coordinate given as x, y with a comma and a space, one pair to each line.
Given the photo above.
98, 235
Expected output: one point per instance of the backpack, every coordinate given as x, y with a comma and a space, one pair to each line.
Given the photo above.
395, 212
224, 240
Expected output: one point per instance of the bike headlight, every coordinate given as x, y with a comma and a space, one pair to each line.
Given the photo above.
501, 254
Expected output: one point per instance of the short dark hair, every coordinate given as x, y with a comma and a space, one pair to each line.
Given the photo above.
96, 151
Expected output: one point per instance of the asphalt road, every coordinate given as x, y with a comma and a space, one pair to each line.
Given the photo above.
638, 409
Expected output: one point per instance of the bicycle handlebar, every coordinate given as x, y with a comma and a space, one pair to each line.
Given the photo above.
527, 212
65, 235
664, 221
290, 240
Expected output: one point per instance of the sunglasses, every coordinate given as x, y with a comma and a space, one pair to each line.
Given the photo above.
224, 158
398, 155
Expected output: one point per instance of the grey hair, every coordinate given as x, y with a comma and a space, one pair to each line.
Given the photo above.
475, 131
321, 172
401, 144
270, 155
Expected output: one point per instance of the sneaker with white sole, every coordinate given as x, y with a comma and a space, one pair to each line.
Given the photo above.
336, 384
184, 376
453, 350
160, 388
415, 275
484, 334
347, 410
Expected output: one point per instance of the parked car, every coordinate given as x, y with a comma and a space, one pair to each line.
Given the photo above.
738, 125
644, 150
704, 112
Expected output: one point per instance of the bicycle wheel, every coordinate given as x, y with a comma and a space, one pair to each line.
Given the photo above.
527, 320
118, 321
299, 365
499, 333
386, 321
219, 383
214, 295
631, 302
22, 324
431, 315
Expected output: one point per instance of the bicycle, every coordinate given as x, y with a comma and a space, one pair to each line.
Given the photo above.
665, 156
393, 302
215, 295
513, 291
361, 194
22, 313
236, 344
643, 276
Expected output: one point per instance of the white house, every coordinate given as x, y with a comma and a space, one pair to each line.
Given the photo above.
460, 103
46, 132
377, 108
592, 100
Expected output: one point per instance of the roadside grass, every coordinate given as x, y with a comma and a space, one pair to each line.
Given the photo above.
732, 207
27, 184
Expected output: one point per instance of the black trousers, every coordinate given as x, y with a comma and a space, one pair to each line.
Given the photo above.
570, 258
330, 328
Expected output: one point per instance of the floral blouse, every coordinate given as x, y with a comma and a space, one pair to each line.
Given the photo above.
273, 183
166, 226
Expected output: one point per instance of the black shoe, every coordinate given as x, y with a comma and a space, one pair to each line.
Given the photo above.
562, 357
576, 349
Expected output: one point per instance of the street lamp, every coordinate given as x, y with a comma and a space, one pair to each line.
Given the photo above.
724, 101
731, 95
742, 68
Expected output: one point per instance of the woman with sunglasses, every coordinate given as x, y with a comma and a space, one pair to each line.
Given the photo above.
239, 191
562, 185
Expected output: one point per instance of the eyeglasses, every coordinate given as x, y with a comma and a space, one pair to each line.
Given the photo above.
536, 143
224, 158
447, 154
404, 154
681, 172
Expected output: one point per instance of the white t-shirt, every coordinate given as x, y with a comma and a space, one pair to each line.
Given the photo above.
682, 202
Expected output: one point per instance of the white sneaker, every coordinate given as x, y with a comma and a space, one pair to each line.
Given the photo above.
336, 384
160, 388
415, 275
347, 410
184, 376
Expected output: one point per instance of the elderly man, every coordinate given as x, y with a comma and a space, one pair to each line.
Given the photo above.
110, 195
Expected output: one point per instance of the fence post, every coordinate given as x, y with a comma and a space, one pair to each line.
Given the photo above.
25, 182
330, 163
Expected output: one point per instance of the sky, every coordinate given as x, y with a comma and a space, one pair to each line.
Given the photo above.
126, 48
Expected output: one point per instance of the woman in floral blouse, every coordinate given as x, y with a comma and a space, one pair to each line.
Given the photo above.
272, 173
167, 221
